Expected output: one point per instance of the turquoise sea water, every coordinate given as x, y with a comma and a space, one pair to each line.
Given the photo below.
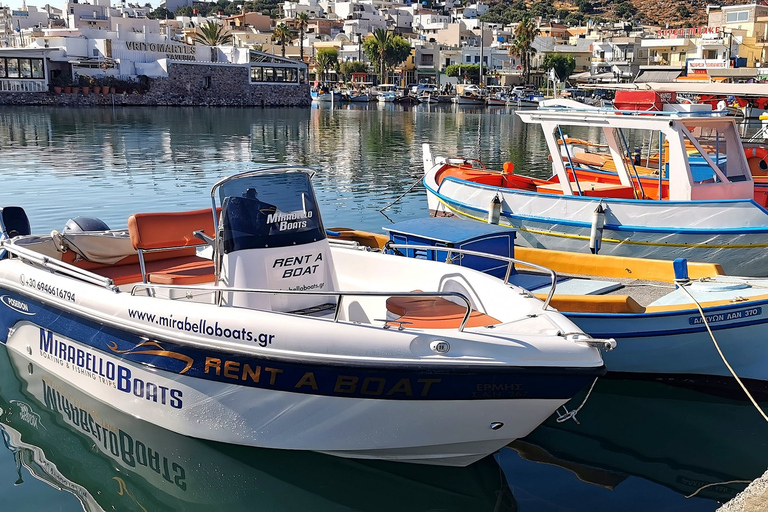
639, 445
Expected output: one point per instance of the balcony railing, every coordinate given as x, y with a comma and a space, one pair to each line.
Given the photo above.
22, 85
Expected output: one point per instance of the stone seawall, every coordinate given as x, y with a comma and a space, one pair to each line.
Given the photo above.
216, 85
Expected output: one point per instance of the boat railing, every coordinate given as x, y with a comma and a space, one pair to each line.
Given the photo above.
57, 265
151, 289
449, 258
644, 113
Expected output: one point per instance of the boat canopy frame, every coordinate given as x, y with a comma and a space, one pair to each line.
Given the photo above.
735, 183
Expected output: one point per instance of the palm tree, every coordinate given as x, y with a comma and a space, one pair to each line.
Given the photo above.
376, 49
326, 58
522, 46
212, 34
281, 33
302, 21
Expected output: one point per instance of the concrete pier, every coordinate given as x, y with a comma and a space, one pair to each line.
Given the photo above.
752, 499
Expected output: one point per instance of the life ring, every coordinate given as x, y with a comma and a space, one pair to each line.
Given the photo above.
757, 158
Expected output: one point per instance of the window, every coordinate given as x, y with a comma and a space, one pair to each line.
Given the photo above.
735, 17
37, 68
427, 59
13, 68
469, 59
710, 54
270, 74
25, 68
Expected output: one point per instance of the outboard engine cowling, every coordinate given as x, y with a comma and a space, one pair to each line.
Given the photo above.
83, 224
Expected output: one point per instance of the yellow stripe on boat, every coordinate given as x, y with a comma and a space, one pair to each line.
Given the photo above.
600, 265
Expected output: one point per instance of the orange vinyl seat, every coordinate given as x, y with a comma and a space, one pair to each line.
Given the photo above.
164, 232
435, 313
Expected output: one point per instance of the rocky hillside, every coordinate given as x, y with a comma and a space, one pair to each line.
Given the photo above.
674, 13
678, 13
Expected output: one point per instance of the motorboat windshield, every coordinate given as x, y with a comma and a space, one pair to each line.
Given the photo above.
263, 209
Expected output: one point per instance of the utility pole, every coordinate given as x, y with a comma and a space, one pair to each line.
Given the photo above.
481, 54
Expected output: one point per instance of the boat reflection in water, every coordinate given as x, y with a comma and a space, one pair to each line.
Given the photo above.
698, 437
113, 461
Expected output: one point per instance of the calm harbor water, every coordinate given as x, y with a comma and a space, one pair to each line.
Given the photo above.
651, 444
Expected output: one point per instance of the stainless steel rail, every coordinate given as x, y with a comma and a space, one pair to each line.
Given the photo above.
149, 287
510, 262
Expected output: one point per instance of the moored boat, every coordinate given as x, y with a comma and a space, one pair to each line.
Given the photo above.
707, 213
649, 306
77, 444
276, 339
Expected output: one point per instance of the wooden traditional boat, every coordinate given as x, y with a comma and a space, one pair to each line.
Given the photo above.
706, 211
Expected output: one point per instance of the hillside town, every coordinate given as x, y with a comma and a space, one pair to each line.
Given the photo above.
325, 41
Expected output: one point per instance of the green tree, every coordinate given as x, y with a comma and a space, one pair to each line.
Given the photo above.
386, 50
469, 71
575, 18
281, 33
564, 64
326, 59
161, 13
184, 11
302, 21
352, 66
683, 11
625, 10
522, 45
212, 34
375, 49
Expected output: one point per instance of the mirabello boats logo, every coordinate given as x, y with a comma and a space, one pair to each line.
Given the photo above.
16, 305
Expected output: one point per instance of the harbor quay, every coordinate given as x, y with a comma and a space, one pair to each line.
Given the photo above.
752, 499
186, 84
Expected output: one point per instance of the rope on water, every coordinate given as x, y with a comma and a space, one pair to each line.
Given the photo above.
571, 415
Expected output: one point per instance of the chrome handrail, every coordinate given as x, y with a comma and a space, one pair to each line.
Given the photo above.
150, 287
510, 262
56, 265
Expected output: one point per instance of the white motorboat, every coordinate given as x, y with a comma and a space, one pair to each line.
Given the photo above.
278, 339
649, 307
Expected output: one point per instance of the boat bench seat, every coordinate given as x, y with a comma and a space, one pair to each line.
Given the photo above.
435, 313
171, 234
594, 303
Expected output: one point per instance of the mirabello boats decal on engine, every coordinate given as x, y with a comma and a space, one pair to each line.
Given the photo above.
105, 371
16, 305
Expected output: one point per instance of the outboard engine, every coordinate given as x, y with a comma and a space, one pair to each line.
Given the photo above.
83, 224
14, 222
272, 237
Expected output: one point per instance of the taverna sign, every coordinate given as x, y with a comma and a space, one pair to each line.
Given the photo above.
169, 51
